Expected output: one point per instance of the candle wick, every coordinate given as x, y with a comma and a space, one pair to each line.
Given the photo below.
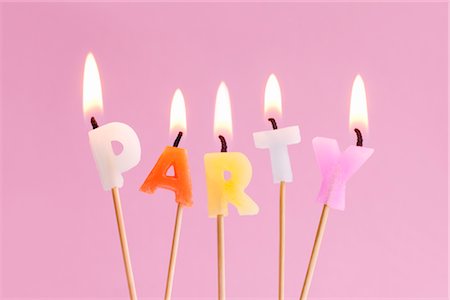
94, 123
178, 139
359, 141
274, 123
224, 143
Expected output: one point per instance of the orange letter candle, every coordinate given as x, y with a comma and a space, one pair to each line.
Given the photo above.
179, 182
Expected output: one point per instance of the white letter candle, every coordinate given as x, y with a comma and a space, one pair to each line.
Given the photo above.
278, 139
109, 164
336, 169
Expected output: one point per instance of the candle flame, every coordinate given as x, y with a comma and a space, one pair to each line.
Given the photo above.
223, 124
272, 97
92, 88
358, 106
178, 113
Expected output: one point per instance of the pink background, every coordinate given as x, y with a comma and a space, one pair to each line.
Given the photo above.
59, 236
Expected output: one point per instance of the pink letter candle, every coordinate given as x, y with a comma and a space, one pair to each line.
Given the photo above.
336, 168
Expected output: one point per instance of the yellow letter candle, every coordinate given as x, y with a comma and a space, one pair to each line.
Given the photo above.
226, 188
222, 190
109, 164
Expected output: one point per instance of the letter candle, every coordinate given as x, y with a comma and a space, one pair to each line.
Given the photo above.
110, 165
222, 190
179, 183
276, 141
336, 169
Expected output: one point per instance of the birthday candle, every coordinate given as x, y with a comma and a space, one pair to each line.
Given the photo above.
109, 164
173, 156
179, 182
221, 190
278, 139
336, 168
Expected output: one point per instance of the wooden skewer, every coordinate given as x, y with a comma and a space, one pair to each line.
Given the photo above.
221, 256
282, 242
315, 253
124, 243
173, 253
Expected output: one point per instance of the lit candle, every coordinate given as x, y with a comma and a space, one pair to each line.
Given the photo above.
179, 183
173, 156
110, 165
277, 141
222, 189
337, 167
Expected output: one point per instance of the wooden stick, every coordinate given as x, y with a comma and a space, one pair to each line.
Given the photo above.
124, 243
173, 253
282, 242
315, 253
221, 256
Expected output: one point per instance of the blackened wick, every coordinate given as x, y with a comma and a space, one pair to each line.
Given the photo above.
224, 143
359, 140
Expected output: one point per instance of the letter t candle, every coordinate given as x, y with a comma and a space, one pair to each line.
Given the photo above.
110, 165
276, 141
222, 190
336, 169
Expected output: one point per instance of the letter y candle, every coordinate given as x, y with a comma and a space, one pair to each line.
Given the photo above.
336, 169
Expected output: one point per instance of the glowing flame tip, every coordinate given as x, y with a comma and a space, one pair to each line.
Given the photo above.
222, 114
178, 113
272, 97
358, 106
92, 88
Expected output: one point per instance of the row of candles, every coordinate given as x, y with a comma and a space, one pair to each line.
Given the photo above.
336, 168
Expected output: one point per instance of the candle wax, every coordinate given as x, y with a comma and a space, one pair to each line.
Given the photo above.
222, 190
336, 169
110, 165
179, 183
277, 141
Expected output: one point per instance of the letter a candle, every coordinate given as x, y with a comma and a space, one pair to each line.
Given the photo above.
110, 165
222, 190
276, 141
337, 168
179, 183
